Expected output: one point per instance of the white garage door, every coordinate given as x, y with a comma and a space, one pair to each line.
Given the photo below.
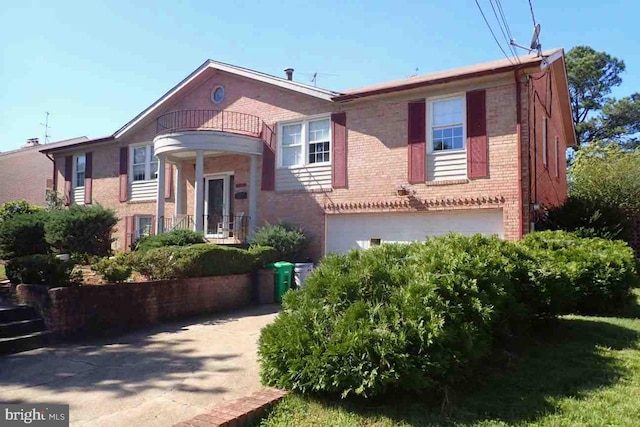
359, 231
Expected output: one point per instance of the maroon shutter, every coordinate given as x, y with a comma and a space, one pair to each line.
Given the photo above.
68, 175
152, 232
55, 175
124, 176
417, 133
477, 147
168, 180
88, 178
129, 226
339, 139
268, 157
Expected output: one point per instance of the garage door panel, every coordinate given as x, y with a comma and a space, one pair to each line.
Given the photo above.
345, 232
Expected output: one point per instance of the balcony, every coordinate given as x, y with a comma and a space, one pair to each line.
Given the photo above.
209, 120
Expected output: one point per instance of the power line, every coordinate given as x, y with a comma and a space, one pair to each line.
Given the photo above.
533, 16
492, 33
502, 22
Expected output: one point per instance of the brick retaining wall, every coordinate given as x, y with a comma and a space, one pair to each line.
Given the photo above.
101, 308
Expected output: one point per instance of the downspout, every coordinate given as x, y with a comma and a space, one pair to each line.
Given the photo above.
55, 175
519, 145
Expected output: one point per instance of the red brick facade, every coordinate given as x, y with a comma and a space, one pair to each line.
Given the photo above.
377, 154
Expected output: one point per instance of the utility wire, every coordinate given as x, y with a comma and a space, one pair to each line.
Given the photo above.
533, 16
492, 33
502, 24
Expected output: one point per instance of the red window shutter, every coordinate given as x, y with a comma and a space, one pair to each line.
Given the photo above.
268, 157
129, 228
124, 175
477, 144
153, 225
88, 178
68, 172
417, 133
339, 139
168, 180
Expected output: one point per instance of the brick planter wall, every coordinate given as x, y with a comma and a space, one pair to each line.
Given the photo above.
100, 308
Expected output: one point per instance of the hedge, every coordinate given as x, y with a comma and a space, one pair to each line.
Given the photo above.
172, 238
23, 234
420, 317
81, 230
39, 269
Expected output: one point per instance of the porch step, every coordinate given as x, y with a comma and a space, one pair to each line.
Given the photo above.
25, 342
20, 327
18, 312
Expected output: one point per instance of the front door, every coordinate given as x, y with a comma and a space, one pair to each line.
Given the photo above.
216, 205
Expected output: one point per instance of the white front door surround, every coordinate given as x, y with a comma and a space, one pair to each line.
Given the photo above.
217, 202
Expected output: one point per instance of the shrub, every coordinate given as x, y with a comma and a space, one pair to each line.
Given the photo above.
587, 218
289, 240
158, 264
586, 275
10, 209
22, 235
40, 269
81, 230
264, 255
395, 317
172, 238
116, 269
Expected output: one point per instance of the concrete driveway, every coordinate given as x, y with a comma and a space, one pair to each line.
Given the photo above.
157, 377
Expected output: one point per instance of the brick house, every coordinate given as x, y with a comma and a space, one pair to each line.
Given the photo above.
477, 150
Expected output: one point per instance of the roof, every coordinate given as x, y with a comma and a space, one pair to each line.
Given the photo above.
39, 147
487, 68
68, 143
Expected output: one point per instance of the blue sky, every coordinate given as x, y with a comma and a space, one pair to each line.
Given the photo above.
96, 64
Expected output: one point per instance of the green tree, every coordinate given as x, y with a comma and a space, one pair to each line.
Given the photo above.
606, 174
596, 114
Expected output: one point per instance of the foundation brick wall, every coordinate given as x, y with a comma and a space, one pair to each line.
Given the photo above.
124, 306
377, 158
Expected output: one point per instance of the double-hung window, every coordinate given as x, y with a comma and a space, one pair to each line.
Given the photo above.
306, 142
144, 165
447, 124
79, 167
143, 225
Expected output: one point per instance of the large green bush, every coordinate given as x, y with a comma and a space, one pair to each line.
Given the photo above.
419, 317
289, 240
40, 269
81, 230
22, 235
172, 238
115, 269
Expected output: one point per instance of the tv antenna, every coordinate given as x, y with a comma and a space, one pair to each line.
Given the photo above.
315, 75
535, 42
46, 128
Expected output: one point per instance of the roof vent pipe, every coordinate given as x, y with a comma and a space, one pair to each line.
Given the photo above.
289, 72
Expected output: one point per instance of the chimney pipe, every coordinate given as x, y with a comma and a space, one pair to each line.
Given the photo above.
289, 72
31, 142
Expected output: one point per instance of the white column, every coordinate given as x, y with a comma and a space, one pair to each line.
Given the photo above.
178, 189
253, 194
160, 196
198, 208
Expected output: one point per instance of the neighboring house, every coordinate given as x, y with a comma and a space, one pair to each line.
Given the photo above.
474, 150
25, 174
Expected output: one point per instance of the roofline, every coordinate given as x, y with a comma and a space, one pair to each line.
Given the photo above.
75, 144
323, 94
436, 81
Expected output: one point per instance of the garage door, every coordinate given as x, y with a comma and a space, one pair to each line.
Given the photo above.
360, 231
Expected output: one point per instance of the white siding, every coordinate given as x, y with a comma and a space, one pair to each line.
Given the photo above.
447, 165
78, 195
303, 178
355, 231
143, 190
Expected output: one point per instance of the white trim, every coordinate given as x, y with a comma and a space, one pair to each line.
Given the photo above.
226, 196
429, 122
305, 142
147, 168
136, 231
545, 149
243, 72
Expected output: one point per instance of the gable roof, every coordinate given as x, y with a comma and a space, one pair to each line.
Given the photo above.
440, 77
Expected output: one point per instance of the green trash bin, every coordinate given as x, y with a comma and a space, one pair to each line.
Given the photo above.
283, 276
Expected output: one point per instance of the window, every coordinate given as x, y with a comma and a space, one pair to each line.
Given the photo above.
143, 226
447, 124
305, 143
144, 164
79, 167
544, 143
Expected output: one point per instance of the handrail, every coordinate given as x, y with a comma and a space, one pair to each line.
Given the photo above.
221, 120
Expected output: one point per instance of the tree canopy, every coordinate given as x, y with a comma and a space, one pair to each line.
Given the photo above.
597, 115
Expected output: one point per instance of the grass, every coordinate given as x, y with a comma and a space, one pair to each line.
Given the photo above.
576, 371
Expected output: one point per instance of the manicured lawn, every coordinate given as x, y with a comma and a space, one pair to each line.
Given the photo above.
576, 371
